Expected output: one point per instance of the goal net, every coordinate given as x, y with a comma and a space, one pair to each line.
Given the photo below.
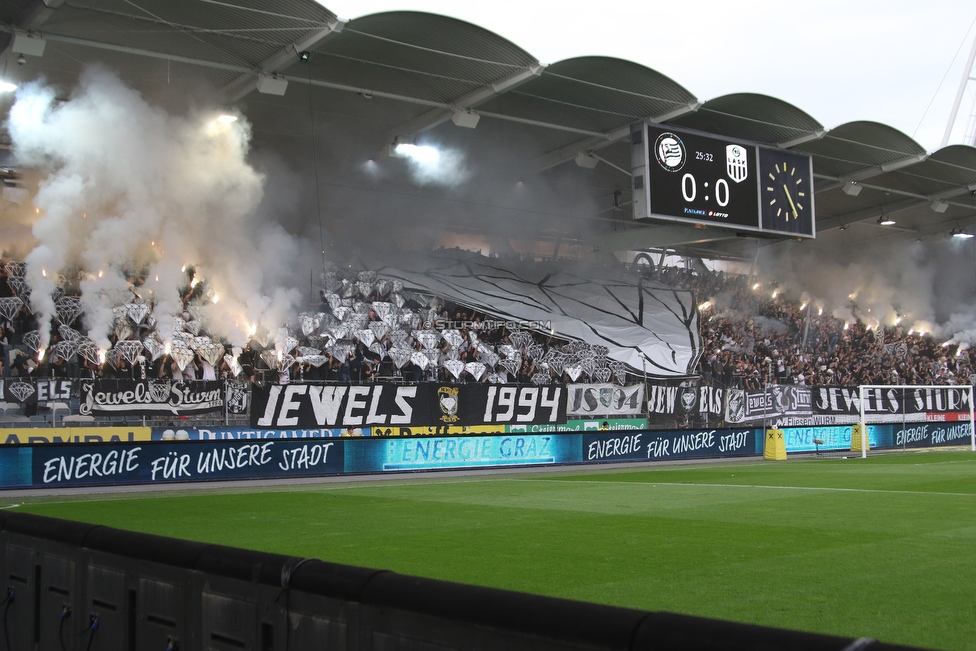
913, 416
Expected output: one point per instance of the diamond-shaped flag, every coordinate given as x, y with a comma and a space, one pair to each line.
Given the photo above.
68, 309
128, 350
366, 336
9, 306
454, 367
419, 359
476, 369
137, 312
400, 356
573, 371
33, 339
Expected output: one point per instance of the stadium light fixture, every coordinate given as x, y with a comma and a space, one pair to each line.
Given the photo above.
7, 87
586, 160
227, 118
465, 118
886, 220
406, 147
961, 234
851, 188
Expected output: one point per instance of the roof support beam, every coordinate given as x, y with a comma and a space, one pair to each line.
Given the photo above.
432, 118
871, 172
569, 152
278, 62
910, 202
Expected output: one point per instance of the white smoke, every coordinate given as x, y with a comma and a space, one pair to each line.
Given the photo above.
920, 286
128, 185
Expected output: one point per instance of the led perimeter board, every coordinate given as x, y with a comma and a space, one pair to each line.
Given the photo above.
693, 177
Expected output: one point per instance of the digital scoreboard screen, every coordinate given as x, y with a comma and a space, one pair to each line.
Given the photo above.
697, 178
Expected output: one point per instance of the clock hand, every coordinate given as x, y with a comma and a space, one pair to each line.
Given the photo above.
790, 199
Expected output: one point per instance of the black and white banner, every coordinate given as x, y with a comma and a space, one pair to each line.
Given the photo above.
774, 402
890, 404
605, 400
17, 390
339, 405
150, 397
423, 405
692, 400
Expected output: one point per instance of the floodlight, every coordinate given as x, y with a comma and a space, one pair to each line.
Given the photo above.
885, 221
940, 206
227, 118
7, 87
303, 57
420, 153
852, 188
961, 234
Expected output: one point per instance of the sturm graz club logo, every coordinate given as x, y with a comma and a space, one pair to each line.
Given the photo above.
447, 399
670, 152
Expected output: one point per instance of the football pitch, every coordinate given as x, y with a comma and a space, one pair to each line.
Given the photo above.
883, 547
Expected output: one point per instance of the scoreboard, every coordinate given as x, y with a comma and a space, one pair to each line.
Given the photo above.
703, 179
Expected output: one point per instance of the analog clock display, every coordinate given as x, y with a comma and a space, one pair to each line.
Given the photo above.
786, 195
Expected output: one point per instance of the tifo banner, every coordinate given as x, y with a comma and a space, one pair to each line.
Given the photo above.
892, 404
339, 405
389, 407
773, 402
19, 390
502, 404
605, 400
150, 397
41, 435
690, 400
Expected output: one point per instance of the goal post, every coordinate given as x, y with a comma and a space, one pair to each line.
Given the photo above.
901, 393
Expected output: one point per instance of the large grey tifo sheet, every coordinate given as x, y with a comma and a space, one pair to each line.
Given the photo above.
586, 302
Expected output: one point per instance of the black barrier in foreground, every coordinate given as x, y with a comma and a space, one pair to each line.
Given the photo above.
76, 586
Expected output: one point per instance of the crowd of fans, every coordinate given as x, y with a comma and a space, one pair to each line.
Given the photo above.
750, 338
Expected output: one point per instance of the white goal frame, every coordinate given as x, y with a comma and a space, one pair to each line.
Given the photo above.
864, 429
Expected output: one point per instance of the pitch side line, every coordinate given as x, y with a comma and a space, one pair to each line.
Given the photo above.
793, 488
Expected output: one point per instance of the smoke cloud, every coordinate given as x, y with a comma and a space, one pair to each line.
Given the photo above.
923, 286
129, 187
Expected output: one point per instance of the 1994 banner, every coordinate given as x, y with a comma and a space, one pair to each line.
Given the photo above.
348, 405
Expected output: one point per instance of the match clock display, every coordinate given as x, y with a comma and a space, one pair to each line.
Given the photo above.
703, 179
786, 195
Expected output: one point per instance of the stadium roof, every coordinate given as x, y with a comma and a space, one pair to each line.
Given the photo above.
418, 68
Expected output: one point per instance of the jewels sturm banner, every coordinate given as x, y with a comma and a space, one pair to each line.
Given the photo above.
150, 397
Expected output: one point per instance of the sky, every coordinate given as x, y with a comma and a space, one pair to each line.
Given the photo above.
892, 61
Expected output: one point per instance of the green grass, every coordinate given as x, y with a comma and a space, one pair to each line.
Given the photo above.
883, 547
